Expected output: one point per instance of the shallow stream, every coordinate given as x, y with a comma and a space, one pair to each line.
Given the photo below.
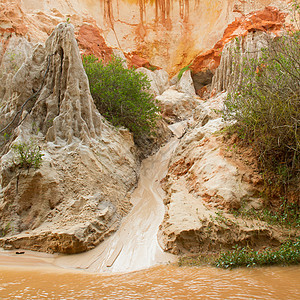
134, 249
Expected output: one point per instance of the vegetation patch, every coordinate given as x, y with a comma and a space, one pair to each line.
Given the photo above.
4, 230
287, 254
183, 70
287, 215
151, 68
266, 108
27, 155
122, 95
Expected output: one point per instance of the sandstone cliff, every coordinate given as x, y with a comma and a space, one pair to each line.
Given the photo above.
206, 182
80, 193
269, 20
238, 50
168, 34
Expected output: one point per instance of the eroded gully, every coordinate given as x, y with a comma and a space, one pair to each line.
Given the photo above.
134, 247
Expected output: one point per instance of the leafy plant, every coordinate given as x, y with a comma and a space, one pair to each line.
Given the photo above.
287, 215
222, 219
183, 70
151, 68
13, 61
4, 230
266, 106
6, 136
295, 13
288, 253
27, 155
121, 95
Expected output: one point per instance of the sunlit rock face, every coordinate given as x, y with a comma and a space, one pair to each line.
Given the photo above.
168, 33
267, 20
81, 191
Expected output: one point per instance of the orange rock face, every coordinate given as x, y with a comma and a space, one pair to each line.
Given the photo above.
164, 33
17, 19
269, 19
12, 18
11, 22
90, 39
170, 34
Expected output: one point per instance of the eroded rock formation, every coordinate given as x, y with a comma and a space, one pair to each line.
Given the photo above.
235, 53
168, 34
270, 20
204, 184
81, 191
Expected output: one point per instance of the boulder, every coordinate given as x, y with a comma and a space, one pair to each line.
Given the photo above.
162, 80
185, 84
176, 106
158, 80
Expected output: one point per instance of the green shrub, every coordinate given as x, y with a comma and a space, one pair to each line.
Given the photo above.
286, 215
121, 95
288, 253
180, 73
4, 230
27, 155
266, 106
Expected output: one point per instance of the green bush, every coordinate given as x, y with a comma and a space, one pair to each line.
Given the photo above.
4, 230
288, 253
180, 73
286, 215
266, 106
121, 95
27, 155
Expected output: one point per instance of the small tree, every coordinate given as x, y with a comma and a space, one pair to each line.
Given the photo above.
266, 106
121, 95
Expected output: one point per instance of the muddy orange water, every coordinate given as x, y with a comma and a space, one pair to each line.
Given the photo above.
134, 247
161, 282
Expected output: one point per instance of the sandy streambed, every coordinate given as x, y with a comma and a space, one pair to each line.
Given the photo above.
134, 246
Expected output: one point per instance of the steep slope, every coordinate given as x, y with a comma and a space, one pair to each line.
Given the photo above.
80, 193
205, 184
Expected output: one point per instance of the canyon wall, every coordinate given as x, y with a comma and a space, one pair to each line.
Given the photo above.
81, 192
170, 34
